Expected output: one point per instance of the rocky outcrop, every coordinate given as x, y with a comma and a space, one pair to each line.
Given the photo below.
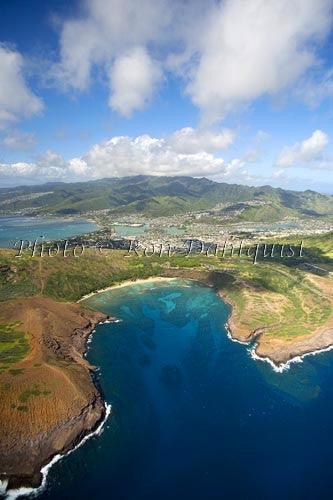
49, 399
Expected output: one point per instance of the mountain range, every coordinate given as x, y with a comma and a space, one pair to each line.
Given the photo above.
157, 196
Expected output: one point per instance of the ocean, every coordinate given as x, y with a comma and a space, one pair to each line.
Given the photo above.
193, 415
15, 228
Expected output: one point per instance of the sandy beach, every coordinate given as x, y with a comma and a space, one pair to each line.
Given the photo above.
279, 352
155, 279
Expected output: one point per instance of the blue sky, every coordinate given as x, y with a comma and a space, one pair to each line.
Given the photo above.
235, 90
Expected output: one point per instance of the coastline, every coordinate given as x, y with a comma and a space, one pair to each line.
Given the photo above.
280, 357
13, 494
283, 367
279, 354
15, 483
152, 279
74, 410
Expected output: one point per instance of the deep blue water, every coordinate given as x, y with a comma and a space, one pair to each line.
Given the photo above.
15, 228
194, 417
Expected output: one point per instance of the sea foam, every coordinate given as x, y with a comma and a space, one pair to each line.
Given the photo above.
33, 492
278, 368
232, 338
283, 367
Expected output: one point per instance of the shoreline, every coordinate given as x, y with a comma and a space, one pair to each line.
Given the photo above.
13, 494
285, 366
84, 408
279, 366
289, 358
123, 284
79, 339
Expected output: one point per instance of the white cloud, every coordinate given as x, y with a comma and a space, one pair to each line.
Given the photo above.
16, 100
47, 167
228, 53
106, 30
114, 36
133, 78
19, 169
189, 140
19, 141
307, 151
51, 164
122, 155
255, 48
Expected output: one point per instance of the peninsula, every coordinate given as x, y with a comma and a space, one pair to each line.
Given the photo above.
48, 399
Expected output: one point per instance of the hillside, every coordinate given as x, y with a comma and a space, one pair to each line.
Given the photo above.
282, 306
156, 196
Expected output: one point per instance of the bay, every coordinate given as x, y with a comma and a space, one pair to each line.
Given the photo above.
15, 228
193, 415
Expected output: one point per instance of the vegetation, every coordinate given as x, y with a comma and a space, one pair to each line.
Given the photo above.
35, 391
16, 371
18, 277
271, 212
284, 302
14, 345
285, 295
156, 196
22, 408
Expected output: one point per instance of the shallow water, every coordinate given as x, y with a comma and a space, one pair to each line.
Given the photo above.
123, 230
193, 415
15, 228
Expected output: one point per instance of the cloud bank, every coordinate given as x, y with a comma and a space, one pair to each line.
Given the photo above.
227, 53
185, 152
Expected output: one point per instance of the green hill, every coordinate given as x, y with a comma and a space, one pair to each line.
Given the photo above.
157, 196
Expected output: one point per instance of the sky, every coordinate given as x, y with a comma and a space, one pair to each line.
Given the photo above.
238, 91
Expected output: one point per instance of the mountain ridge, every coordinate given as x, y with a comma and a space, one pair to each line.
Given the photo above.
159, 195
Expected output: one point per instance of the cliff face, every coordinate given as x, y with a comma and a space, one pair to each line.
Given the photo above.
48, 399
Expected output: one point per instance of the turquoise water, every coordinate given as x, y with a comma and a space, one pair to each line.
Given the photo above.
194, 417
16, 228
125, 230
